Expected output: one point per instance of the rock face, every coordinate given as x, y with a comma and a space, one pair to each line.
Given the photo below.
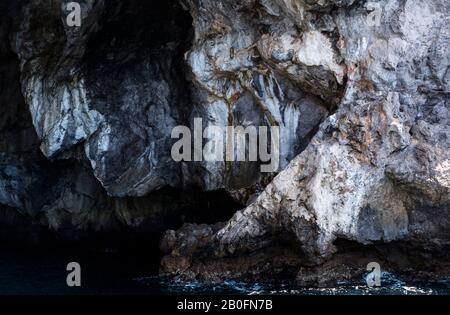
94, 155
118, 84
358, 89
378, 169
105, 86
104, 98
250, 66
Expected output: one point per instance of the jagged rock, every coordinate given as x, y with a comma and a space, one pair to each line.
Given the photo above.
378, 170
245, 63
118, 85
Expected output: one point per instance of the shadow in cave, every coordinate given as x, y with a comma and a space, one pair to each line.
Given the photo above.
133, 34
129, 32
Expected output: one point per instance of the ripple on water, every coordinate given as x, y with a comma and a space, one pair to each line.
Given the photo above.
391, 285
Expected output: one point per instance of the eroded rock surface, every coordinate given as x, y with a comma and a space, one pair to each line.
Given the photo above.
360, 91
118, 85
77, 167
377, 171
106, 86
104, 98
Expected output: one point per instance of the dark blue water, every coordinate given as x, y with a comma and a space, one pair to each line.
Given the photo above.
38, 274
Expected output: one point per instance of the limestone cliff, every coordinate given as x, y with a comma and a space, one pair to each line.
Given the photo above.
359, 89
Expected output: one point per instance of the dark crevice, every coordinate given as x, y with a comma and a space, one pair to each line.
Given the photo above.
140, 34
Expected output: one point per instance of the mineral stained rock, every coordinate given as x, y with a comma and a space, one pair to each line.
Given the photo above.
359, 89
378, 169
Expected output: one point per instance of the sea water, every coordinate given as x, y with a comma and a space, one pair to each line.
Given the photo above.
109, 273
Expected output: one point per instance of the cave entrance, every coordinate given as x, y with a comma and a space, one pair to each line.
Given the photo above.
153, 34
148, 38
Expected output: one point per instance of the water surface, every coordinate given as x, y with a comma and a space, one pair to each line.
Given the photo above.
110, 273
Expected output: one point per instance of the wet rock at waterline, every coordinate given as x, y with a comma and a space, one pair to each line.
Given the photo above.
360, 95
